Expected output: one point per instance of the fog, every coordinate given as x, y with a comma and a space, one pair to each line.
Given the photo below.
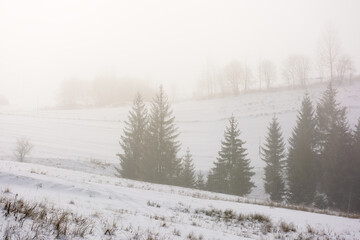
44, 43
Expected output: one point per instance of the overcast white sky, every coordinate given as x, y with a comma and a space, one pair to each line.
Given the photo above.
45, 42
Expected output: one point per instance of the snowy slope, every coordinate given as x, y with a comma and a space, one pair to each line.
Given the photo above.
168, 212
79, 139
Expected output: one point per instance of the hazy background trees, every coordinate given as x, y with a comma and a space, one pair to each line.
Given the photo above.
344, 68
232, 78
329, 50
102, 91
247, 76
233, 72
209, 78
296, 70
268, 72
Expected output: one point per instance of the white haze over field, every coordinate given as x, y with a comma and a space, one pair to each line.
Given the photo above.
43, 43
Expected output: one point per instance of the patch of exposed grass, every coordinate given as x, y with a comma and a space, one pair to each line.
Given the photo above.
44, 221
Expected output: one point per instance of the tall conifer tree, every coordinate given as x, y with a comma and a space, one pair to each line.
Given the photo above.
188, 178
328, 114
354, 174
301, 160
133, 141
273, 153
335, 149
232, 172
200, 181
162, 146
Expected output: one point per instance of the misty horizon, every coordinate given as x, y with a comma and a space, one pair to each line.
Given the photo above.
44, 44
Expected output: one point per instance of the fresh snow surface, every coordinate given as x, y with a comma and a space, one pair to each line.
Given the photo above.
170, 212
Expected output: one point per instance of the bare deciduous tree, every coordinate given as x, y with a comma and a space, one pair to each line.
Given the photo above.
296, 70
247, 75
233, 72
268, 72
73, 92
209, 78
320, 69
259, 73
23, 148
344, 68
289, 70
221, 80
329, 50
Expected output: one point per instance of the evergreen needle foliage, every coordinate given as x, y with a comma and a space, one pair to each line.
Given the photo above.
200, 181
354, 175
188, 171
162, 146
232, 172
301, 160
133, 141
273, 153
335, 149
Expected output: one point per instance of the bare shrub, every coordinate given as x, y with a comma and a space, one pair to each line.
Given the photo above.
287, 227
153, 204
110, 229
259, 218
176, 232
311, 229
192, 236
22, 149
267, 228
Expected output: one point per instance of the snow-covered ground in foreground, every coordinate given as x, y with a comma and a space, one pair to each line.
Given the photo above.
86, 139
170, 212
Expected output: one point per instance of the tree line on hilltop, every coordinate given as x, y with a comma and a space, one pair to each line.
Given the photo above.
296, 70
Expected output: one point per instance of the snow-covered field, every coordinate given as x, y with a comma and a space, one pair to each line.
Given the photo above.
72, 167
162, 212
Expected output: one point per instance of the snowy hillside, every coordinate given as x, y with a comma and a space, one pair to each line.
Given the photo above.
87, 140
77, 205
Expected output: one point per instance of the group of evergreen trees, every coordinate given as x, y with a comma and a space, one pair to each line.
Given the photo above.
150, 145
150, 149
322, 165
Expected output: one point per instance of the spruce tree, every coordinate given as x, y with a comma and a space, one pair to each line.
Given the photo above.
335, 149
232, 172
200, 181
328, 114
218, 179
336, 166
301, 160
354, 174
188, 171
162, 164
133, 141
273, 153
